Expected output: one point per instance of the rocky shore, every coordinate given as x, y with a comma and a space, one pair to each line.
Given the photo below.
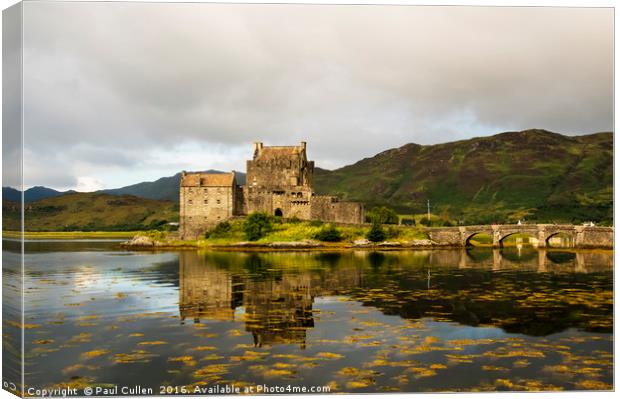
141, 242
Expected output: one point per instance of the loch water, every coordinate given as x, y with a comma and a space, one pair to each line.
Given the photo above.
517, 319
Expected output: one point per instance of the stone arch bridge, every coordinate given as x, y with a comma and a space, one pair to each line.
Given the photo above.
578, 236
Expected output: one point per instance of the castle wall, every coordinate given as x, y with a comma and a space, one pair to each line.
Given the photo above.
201, 208
258, 201
290, 206
300, 209
321, 208
276, 174
240, 207
330, 209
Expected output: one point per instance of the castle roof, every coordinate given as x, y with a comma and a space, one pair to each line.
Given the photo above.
200, 179
277, 152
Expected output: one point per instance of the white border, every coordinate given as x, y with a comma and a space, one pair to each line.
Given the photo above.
524, 3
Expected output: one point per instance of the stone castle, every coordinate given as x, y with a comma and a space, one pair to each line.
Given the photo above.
278, 182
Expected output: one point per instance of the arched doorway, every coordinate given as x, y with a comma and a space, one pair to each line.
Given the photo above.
278, 212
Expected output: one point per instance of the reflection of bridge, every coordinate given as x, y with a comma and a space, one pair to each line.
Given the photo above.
540, 260
578, 236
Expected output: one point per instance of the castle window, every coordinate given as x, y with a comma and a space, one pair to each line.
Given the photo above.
205, 190
190, 202
218, 201
206, 202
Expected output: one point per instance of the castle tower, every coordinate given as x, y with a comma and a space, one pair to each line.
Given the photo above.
280, 168
279, 181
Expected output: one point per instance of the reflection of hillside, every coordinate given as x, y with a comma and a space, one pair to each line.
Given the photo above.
277, 290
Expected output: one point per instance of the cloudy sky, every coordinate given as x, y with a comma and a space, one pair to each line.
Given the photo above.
118, 93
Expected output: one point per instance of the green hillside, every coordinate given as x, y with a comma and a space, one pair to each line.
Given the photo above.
534, 174
91, 212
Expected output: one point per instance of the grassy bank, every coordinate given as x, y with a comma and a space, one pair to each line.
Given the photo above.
68, 235
233, 232
294, 231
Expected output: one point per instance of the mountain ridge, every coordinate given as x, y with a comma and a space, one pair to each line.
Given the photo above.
32, 194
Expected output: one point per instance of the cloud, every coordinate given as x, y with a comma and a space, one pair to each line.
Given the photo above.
86, 183
127, 91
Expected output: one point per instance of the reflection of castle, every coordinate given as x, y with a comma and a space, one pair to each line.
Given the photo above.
206, 292
278, 309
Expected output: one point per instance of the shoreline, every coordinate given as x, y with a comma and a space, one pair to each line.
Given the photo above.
150, 244
322, 247
280, 248
48, 235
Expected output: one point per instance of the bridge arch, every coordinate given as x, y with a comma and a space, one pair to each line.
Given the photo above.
485, 235
560, 239
529, 239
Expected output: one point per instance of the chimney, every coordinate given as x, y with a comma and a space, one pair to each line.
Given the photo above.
258, 146
303, 145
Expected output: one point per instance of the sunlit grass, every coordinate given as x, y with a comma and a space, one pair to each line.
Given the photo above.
307, 230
